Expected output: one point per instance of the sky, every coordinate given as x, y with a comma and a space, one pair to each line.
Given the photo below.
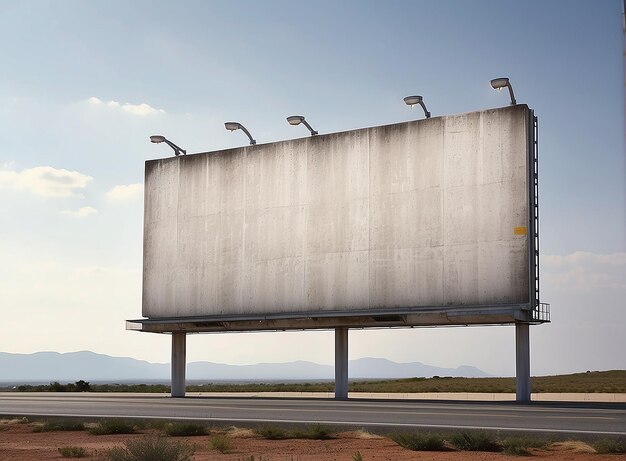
83, 84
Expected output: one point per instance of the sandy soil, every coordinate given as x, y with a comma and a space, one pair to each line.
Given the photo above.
19, 442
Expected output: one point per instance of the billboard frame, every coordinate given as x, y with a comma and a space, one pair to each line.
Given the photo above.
519, 314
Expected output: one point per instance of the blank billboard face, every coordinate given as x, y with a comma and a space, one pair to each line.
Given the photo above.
429, 213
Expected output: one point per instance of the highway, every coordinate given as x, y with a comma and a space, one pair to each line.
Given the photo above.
575, 418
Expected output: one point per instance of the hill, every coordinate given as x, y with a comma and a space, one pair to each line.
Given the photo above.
90, 366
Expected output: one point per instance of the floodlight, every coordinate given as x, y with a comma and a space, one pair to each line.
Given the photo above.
297, 120
232, 126
499, 83
158, 139
412, 100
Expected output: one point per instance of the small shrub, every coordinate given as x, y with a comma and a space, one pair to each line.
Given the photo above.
519, 445
82, 386
475, 441
606, 446
73, 452
357, 456
143, 424
420, 442
272, 433
112, 426
57, 426
153, 449
221, 443
315, 432
184, 429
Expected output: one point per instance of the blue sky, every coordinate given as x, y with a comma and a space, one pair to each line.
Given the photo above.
83, 84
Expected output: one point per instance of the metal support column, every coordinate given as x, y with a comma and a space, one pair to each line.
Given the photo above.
179, 364
522, 362
341, 363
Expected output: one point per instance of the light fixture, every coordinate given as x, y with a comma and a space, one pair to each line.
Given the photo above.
158, 139
297, 120
499, 83
412, 100
232, 126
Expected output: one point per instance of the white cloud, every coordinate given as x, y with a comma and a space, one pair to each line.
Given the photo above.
125, 193
45, 181
141, 110
81, 212
584, 271
582, 257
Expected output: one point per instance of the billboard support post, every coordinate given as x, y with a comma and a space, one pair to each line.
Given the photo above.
341, 363
522, 362
179, 359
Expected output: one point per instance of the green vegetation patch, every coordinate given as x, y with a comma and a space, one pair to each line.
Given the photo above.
607, 446
475, 441
420, 441
57, 426
263, 387
222, 443
314, 432
73, 452
519, 445
153, 449
112, 426
272, 433
184, 429
55, 386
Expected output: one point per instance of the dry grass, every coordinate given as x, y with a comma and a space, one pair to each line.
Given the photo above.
597, 381
241, 433
575, 446
8, 422
613, 381
363, 434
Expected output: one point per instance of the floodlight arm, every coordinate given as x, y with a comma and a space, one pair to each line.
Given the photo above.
313, 132
158, 139
232, 126
252, 141
177, 150
513, 102
426, 113
297, 120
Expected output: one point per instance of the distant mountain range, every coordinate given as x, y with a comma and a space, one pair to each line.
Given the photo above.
89, 366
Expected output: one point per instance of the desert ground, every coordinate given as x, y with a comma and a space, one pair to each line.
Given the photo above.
18, 441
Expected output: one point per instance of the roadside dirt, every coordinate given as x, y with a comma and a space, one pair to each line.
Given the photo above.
19, 442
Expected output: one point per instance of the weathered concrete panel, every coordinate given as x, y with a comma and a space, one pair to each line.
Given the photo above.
337, 279
407, 276
429, 213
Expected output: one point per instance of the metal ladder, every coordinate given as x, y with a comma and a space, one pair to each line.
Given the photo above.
541, 311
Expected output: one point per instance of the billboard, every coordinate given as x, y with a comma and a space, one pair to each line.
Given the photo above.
429, 216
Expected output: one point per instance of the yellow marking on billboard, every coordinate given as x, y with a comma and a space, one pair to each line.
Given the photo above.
519, 230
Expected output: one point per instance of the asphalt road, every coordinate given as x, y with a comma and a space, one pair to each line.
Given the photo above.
590, 418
